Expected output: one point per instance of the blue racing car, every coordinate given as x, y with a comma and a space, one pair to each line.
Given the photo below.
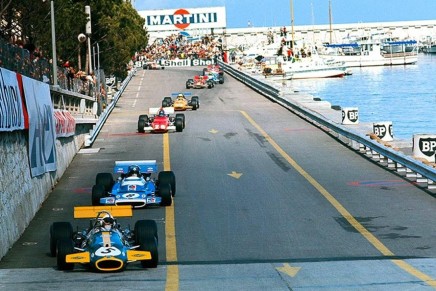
215, 73
104, 246
134, 186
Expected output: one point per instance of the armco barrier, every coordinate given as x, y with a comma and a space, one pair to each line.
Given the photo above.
104, 115
395, 160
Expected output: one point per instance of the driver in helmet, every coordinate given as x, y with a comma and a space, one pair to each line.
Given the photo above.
133, 171
107, 223
104, 223
161, 112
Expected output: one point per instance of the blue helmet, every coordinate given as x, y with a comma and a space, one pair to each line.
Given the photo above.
133, 171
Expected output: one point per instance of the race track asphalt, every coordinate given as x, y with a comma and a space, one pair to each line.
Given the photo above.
264, 201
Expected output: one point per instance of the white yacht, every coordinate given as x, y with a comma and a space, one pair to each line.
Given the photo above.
373, 51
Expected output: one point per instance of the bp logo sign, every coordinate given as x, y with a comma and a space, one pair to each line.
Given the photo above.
382, 130
351, 115
427, 146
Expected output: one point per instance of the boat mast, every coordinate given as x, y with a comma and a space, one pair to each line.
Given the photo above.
313, 22
330, 20
292, 24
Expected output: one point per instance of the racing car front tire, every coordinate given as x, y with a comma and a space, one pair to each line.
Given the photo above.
64, 247
150, 245
179, 124
59, 231
142, 121
98, 192
166, 102
195, 103
168, 177
182, 117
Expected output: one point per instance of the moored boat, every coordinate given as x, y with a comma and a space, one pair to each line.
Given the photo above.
365, 52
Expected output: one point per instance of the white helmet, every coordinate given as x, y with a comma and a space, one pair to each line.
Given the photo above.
107, 222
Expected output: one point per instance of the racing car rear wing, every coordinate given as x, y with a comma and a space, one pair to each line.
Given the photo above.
186, 94
145, 166
155, 110
92, 211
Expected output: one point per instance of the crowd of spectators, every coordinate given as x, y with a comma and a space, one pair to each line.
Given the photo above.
32, 62
15, 57
178, 46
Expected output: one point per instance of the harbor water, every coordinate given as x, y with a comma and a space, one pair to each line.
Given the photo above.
403, 95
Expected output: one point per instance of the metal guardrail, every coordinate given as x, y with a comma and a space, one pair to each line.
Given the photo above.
413, 168
89, 139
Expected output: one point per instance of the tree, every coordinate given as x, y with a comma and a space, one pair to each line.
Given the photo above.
116, 27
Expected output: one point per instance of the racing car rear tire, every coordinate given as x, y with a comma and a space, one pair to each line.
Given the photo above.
64, 247
98, 192
59, 231
105, 179
168, 177
181, 116
145, 229
151, 246
166, 194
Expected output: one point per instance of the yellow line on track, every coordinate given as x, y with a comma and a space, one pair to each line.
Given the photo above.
341, 209
172, 281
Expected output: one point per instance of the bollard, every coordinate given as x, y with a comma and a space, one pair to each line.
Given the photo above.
350, 115
383, 130
424, 147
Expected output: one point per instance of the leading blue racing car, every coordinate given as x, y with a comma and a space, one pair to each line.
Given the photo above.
134, 186
104, 246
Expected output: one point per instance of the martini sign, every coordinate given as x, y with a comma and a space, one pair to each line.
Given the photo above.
181, 19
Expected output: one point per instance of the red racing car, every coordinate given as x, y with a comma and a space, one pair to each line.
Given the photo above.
159, 120
200, 82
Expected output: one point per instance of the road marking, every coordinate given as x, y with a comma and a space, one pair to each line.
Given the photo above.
235, 175
289, 270
172, 281
341, 209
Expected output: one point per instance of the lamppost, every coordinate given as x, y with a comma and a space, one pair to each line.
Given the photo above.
88, 34
82, 38
53, 44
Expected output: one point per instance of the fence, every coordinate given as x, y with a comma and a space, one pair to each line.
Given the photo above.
35, 66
